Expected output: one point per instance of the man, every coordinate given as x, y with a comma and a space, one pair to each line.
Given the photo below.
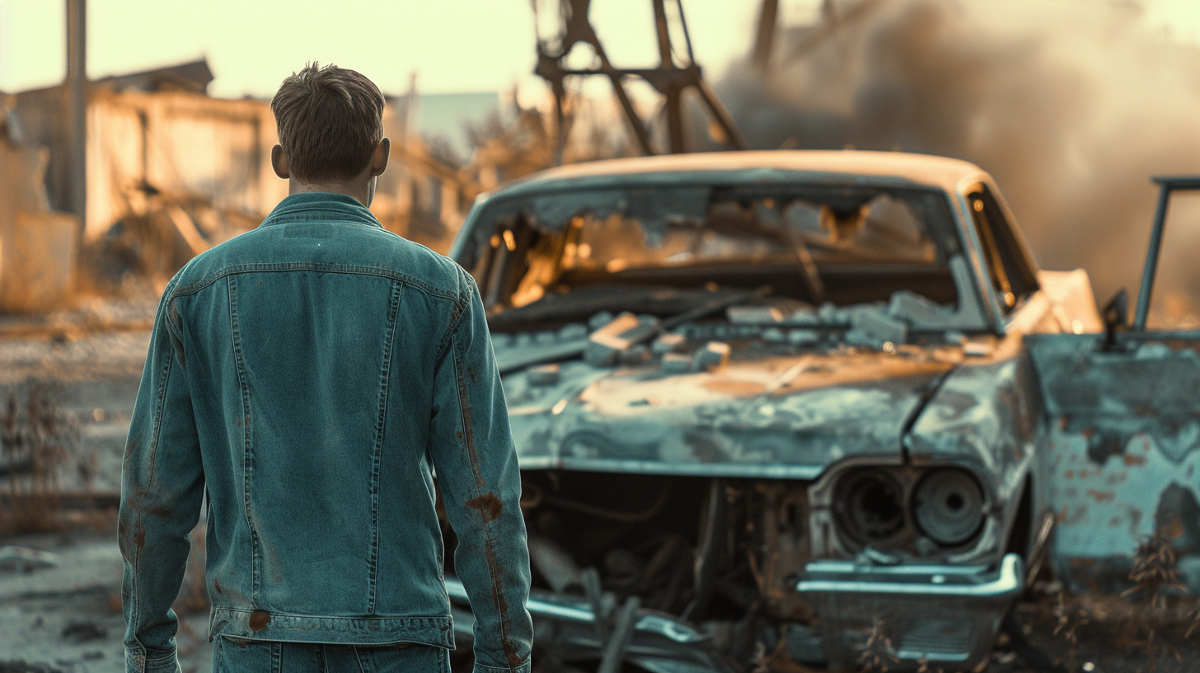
306, 379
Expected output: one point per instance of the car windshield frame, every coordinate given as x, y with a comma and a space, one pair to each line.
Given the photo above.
581, 196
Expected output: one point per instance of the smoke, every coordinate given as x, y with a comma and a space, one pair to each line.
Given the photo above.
1070, 105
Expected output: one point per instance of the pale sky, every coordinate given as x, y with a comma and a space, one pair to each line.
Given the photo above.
453, 45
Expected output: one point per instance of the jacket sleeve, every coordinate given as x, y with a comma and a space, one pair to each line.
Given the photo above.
162, 485
472, 449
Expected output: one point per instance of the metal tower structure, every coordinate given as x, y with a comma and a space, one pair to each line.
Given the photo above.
671, 78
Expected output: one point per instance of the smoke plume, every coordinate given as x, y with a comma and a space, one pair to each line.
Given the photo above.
1071, 106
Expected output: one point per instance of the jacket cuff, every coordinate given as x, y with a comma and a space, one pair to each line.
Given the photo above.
480, 668
137, 662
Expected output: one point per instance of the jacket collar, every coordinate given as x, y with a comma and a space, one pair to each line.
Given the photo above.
313, 206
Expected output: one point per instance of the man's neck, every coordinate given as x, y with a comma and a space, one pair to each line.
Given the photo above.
355, 191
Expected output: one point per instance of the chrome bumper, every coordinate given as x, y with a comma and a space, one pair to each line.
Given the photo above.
946, 615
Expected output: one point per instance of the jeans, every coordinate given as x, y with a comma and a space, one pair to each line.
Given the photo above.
234, 655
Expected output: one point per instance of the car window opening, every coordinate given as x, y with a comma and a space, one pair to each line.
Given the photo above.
862, 245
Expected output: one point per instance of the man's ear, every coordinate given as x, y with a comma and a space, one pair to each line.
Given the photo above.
379, 158
279, 162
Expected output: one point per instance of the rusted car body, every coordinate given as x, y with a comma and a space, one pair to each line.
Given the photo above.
771, 407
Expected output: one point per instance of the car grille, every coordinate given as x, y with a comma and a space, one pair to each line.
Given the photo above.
938, 640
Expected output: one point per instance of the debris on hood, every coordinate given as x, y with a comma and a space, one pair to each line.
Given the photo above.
607, 344
713, 356
543, 375
871, 326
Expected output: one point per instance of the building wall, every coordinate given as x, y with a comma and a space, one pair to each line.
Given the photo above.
181, 144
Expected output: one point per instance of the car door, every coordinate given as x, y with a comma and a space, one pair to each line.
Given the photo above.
1124, 442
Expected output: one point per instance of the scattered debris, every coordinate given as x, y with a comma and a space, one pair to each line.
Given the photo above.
25, 559
19, 666
82, 632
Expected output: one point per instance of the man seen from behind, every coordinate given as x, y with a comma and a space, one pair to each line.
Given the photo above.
306, 379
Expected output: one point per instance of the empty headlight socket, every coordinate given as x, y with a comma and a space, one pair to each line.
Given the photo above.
877, 506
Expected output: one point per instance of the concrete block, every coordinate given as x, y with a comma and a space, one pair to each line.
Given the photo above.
544, 375
713, 356
625, 331
666, 343
827, 314
676, 363
572, 331
599, 320
634, 355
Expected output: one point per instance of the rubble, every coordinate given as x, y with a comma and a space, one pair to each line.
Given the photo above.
25, 559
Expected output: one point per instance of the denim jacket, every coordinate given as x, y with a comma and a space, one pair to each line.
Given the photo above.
308, 378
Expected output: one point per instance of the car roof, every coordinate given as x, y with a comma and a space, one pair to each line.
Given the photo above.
837, 165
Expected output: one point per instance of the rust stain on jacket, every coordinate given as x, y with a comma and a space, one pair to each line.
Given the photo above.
501, 604
259, 620
488, 505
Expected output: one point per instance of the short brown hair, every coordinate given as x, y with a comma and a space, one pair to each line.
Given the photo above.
329, 120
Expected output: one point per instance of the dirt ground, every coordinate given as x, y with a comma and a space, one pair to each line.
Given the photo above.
65, 616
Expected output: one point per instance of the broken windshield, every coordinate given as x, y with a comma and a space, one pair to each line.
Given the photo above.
814, 244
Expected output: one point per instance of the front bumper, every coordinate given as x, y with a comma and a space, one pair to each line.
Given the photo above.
945, 615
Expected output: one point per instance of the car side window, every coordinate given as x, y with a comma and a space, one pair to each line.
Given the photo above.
1012, 279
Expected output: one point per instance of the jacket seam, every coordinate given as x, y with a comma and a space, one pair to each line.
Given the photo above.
459, 307
359, 618
377, 450
489, 542
278, 216
266, 267
159, 403
247, 452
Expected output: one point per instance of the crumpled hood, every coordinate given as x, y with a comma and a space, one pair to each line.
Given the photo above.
774, 415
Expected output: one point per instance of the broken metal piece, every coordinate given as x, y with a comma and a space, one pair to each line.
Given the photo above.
618, 642
554, 564
879, 326
596, 598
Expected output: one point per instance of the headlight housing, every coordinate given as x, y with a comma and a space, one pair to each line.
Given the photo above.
870, 505
947, 506
923, 510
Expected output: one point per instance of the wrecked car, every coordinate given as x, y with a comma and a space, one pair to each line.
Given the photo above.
770, 407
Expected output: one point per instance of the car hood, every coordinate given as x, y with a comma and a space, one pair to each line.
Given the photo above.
766, 415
